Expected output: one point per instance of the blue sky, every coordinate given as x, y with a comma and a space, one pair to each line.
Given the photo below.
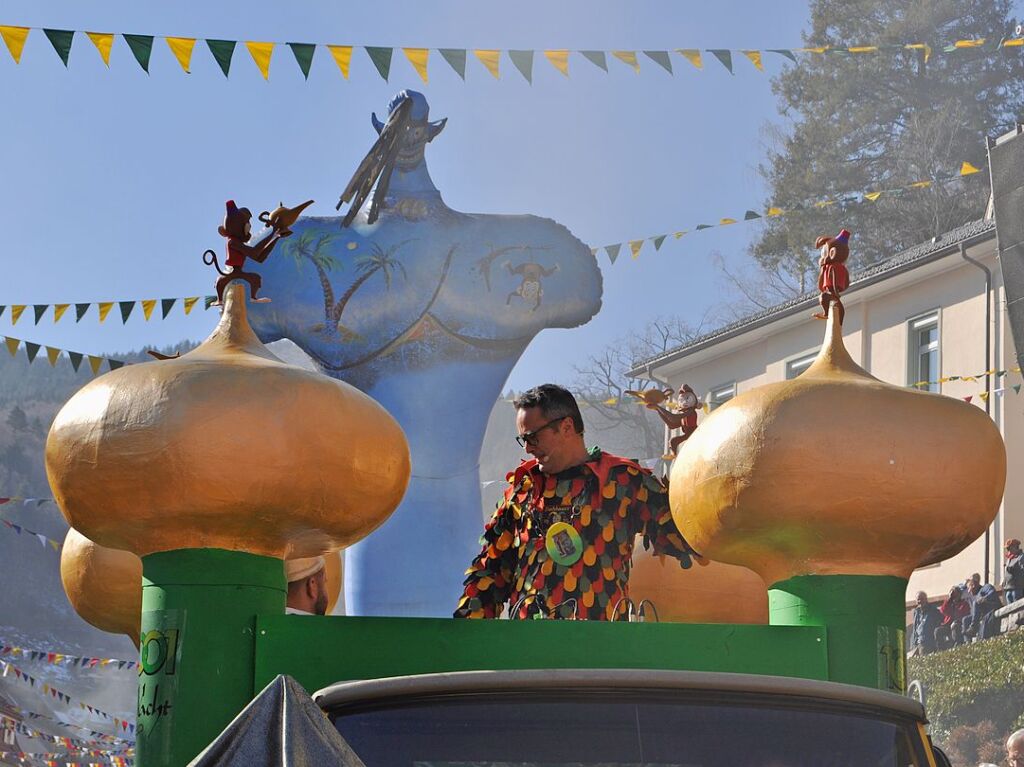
113, 182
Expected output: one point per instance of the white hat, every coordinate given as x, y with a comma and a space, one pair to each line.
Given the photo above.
297, 569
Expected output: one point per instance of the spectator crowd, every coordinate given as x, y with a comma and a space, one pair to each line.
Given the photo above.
967, 614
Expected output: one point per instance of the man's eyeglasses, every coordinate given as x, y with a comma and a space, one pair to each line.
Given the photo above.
530, 438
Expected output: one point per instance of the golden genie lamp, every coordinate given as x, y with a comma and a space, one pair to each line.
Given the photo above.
834, 487
213, 468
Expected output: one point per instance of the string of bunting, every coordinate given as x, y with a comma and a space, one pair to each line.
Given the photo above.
67, 760
849, 198
11, 724
13, 712
57, 658
54, 353
103, 308
47, 689
19, 529
261, 52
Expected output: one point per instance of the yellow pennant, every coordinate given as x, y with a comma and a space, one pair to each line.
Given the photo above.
969, 43
610, 401
15, 38
16, 311
1015, 42
104, 309
418, 58
634, 246
920, 184
677, 235
984, 396
864, 49
819, 49
692, 55
94, 363
872, 196
489, 59
559, 59
189, 303
52, 355
182, 47
922, 47
755, 59
628, 57
342, 57
261, 53
103, 42
58, 311
12, 345
774, 212
147, 307
824, 203
967, 169
726, 221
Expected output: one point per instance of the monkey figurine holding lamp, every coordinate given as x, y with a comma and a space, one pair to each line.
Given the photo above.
237, 228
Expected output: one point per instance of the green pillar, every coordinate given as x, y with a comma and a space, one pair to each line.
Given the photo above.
865, 620
197, 645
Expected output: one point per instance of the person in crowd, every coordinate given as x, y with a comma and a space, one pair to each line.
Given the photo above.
954, 609
1013, 577
1015, 749
927, 618
307, 586
984, 601
560, 543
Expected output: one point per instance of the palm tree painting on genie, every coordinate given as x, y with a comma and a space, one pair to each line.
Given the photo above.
427, 310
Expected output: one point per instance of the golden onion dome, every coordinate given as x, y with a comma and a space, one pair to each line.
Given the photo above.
836, 472
103, 585
225, 447
712, 593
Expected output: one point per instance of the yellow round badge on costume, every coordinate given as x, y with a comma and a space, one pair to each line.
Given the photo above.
563, 543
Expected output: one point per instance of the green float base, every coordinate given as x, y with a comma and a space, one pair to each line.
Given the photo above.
197, 646
864, 616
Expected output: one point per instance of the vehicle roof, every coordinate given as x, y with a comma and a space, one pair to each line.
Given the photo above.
463, 682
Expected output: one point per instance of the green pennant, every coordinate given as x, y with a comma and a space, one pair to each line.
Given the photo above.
456, 58
222, 51
142, 48
786, 52
750, 215
381, 58
31, 350
524, 63
61, 40
597, 58
80, 310
658, 241
702, 226
1016, 389
40, 310
304, 56
724, 56
166, 304
661, 58
76, 359
126, 310
613, 251
208, 301
115, 364
2, 307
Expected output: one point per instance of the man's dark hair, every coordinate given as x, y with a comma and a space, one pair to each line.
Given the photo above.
554, 401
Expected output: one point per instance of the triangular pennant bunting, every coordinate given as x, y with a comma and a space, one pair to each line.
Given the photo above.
303, 53
456, 58
94, 363
381, 58
103, 42
182, 47
14, 39
104, 309
32, 350
418, 57
166, 304
222, 51
661, 58
628, 57
52, 355
147, 307
523, 61
750, 215
966, 169
76, 360
724, 56
61, 40
658, 241
613, 251
16, 311
12, 345
784, 52
597, 58
261, 53
126, 310
692, 55
635, 246
115, 364
490, 59
342, 55
189, 303
39, 310
80, 310
559, 60
142, 48
58, 311
755, 59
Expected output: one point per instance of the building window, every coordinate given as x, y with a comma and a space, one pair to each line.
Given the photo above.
720, 395
923, 352
799, 365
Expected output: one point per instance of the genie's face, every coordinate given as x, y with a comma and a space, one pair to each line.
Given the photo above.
412, 145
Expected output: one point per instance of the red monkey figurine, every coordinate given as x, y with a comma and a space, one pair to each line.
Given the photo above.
685, 418
237, 227
833, 278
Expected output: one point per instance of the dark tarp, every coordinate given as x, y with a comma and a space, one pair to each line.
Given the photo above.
281, 726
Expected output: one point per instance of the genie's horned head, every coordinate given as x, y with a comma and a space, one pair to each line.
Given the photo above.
420, 130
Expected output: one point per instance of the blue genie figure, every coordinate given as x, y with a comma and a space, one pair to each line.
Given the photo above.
426, 309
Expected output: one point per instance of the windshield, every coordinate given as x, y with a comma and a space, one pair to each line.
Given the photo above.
625, 728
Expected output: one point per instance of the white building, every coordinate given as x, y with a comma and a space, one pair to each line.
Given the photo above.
926, 314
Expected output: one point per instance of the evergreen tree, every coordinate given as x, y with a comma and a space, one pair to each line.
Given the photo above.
860, 122
17, 419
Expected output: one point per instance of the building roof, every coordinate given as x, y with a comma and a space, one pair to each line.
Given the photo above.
911, 258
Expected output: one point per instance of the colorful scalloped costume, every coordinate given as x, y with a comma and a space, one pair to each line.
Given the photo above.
616, 500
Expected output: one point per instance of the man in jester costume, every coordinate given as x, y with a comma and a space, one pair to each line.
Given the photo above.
561, 540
